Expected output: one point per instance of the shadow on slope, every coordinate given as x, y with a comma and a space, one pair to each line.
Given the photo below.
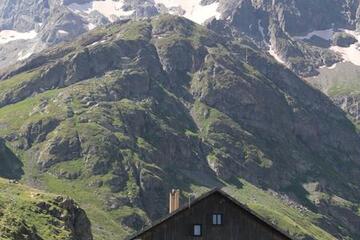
10, 164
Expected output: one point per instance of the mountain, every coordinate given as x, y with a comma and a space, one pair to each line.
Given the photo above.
28, 214
318, 40
27, 27
299, 34
118, 117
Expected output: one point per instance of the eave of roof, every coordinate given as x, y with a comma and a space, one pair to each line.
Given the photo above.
199, 199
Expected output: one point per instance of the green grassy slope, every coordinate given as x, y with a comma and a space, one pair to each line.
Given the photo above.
27, 213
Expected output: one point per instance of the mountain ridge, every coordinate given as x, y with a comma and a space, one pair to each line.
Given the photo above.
274, 25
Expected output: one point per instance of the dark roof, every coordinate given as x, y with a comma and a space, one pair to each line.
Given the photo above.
205, 195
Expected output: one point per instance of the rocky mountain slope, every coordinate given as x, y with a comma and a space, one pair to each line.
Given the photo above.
319, 40
297, 33
341, 84
27, 27
120, 116
28, 214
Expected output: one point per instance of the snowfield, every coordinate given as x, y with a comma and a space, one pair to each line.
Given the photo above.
11, 35
273, 53
193, 9
108, 8
324, 34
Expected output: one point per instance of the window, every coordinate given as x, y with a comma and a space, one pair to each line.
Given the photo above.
197, 231
217, 219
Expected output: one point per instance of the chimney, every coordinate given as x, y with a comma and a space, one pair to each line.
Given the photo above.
174, 200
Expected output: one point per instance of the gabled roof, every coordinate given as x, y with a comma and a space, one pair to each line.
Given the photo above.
204, 196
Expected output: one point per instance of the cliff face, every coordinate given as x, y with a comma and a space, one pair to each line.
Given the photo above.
296, 16
27, 27
283, 28
125, 113
318, 40
11, 166
26, 213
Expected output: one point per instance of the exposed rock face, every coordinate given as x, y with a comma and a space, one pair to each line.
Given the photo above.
62, 25
22, 232
75, 219
143, 106
350, 104
51, 21
60, 149
37, 132
343, 40
29, 214
133, 222
272, 24
11, 166
276, 25
23, 15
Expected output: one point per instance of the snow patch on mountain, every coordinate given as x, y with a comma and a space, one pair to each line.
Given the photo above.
331, 67
273, 53
108, 8
349, 54
63, 32
28, 52
324, 34
193, 9
261, 29
91, 26
7, 36
23, 56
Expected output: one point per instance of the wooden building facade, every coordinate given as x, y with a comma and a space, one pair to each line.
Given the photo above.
213, 216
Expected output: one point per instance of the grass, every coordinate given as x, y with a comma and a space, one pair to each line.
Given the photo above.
92, 199
105, 224
299, 223
16, 115
343, 80
19, 201
139, 30
177, 28
16, 81
72, 166
18, 210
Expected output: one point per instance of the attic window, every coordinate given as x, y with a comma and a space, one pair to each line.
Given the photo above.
217, 219
197, 230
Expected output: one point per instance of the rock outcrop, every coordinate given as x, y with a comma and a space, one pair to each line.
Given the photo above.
343, 40
11, 165
27, 214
